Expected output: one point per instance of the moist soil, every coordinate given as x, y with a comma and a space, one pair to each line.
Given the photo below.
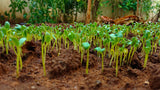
66, 72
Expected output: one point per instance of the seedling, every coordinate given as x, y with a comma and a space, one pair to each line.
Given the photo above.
147, 51
18, 44
86, 46
46, 39
99, 50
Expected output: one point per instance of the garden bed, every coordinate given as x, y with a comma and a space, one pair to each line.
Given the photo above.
65, 70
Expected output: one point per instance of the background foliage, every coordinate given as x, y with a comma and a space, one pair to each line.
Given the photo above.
42, 11
45, 10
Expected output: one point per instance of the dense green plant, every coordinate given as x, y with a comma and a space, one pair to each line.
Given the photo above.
128, 5
42, 11
146, 7
17, 6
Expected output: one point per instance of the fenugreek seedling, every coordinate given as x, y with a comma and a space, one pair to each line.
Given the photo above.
18, 44
100, 50
146, 36
46, 39
134, 46
81, 48
147, 49
5, 31
86, 46
1, 41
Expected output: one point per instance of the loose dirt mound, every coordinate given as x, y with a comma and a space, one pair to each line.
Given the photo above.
69, 60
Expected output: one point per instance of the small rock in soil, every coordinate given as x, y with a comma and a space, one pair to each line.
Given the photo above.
33, 87
98, 83
146, 83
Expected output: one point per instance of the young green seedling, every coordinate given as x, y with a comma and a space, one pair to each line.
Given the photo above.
46, 39
18, 44
86, 46
100, 50
5, 32
147, 51
134, 46
1, 41
146, 35
7, 25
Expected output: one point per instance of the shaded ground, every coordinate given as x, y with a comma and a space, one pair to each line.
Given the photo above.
65, 72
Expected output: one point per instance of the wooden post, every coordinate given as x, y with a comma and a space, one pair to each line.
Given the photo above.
88, 16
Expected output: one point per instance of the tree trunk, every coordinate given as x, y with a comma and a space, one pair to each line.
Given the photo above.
137, 13
88, 16
95, 9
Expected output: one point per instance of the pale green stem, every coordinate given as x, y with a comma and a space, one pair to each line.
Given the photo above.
133, 54
102, 62
87, 63
130, 54
145, 61
117, 65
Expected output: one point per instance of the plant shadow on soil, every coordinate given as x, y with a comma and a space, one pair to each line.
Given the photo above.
66, 71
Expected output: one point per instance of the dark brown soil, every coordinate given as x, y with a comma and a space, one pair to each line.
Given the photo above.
65, 72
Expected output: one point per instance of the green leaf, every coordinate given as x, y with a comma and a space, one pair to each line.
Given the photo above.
7, 24
71, 36
18, 27
148, 47
21, 41
25, 15
129, 42
15, 41
1, 35
106, 41
120, 34
135, 41
86, 45
148, 43
47, 37
54, 37
159, 42
112, 36
98, 49
147, 50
